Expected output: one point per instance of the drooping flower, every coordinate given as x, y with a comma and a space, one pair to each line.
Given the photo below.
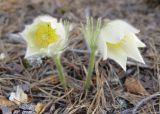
118, 40
45, 37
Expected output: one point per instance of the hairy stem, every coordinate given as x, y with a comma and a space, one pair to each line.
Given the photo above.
60, 70
90, 69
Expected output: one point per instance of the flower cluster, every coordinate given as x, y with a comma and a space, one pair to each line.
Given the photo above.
116, 40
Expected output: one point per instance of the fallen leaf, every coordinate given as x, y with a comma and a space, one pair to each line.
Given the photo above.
19, 96
39, 108
5, 102
134, 86
132, 98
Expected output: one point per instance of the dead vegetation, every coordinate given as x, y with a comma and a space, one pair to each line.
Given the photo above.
113, 91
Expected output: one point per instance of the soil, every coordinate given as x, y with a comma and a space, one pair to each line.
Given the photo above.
110, 93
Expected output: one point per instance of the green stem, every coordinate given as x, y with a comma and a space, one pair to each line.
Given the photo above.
90, 69
60, 71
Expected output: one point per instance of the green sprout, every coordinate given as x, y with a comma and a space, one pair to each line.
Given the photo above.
91, 33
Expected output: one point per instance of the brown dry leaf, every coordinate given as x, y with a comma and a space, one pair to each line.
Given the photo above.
134, 86
39, 108
5, 102
132, 98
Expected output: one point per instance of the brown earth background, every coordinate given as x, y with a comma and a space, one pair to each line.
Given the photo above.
113, 91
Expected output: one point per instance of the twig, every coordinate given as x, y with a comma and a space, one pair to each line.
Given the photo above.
139, 65
77, 50
63, 95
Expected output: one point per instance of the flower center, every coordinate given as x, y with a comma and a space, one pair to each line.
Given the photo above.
45, 35
118, 44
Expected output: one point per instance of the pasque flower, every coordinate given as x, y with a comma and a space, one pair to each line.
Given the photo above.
118, 40
47, 37
44, 37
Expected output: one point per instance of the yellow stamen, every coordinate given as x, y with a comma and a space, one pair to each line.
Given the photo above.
118, 44
45, 35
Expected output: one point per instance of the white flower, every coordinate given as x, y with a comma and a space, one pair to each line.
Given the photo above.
117, 40
44, 37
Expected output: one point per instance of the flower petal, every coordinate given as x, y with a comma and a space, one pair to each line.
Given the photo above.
45, 18
139, 43
111, 34
56, 48
32, 51
131, 49
115, 30
102, 47
59, 27
118, 55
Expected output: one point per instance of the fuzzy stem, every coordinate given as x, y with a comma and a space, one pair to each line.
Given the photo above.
90, 69
60, 70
